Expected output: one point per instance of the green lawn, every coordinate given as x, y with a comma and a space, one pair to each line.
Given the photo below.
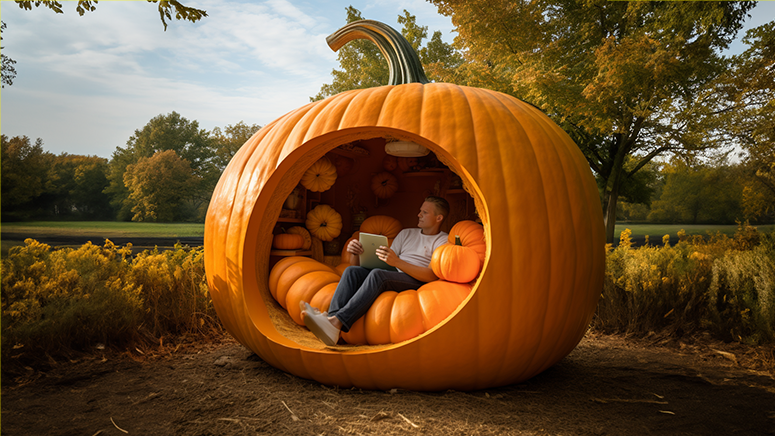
105, 229
656, 231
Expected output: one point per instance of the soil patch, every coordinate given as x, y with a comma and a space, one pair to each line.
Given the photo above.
607, 386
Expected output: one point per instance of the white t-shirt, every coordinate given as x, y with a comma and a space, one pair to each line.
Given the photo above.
413, 247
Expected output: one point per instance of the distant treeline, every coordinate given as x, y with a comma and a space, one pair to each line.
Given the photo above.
166, 172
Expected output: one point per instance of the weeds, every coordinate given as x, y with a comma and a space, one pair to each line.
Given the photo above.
72, 299
720, 284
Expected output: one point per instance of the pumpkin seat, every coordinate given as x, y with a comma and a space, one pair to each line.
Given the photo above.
394, 316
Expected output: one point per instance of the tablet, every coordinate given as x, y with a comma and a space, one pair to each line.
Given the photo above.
369, 257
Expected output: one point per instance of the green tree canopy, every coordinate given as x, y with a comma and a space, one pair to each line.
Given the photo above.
24, 173
159, 186
746, 103
699, 194
162, 133
622, 78
227, 141
166, 9
8, 69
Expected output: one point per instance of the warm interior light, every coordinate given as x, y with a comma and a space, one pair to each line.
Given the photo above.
405, 149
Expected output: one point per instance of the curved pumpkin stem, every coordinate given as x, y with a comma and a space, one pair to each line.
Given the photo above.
403, 63
457, 240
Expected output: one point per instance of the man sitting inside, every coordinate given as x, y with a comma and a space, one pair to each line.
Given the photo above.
359, 287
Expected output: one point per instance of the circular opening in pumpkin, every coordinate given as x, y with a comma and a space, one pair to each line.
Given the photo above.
337, 181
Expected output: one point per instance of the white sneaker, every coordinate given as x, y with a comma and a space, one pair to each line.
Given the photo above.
319, 324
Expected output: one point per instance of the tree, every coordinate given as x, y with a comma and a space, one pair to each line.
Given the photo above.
159, 185
166, 8
8, 70
698, 194
228, 141
622, 78
746, 102
24, 172
162, 133
363, 66
74, 188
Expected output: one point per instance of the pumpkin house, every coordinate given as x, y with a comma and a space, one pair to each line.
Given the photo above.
523, 201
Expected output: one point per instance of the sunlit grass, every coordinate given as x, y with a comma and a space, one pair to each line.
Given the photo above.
106, 229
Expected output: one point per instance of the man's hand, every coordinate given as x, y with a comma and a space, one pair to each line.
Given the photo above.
388, 256
355, 247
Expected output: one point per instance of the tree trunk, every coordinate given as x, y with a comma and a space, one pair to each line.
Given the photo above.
609, 213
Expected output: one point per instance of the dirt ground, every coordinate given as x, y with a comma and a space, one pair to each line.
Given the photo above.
607, 386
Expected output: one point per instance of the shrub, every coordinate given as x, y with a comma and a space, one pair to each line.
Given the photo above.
175, 291
69, 298
720, 284
54, 301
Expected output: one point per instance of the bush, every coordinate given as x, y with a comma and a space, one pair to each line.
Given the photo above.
722, 285
68, 299
55, 301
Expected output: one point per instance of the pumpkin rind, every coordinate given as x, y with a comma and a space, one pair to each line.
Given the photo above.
324, 222
384, 185
304, 233
287, 241
455, 263
535, 194
320, 176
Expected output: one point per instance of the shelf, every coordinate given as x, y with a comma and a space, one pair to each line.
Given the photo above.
351, 153
290, 252
424, 173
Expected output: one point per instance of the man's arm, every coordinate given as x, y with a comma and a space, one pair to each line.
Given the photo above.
423, 274
355, 249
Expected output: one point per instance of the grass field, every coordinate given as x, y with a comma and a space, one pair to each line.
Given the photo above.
105, 229
183, 230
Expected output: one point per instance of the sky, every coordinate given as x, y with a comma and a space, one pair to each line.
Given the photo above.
85, 84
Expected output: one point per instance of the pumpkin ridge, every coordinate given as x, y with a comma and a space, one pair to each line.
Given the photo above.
562, 204
519, 147
582, 265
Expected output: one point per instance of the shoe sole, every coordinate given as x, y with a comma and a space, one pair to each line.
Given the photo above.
317, 330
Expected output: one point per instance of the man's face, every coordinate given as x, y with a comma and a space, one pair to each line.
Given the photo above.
427, 216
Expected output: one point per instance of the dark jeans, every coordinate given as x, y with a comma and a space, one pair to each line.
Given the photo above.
360, 287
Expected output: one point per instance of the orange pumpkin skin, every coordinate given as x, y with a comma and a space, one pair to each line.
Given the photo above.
324, 222
288, 241
400, 316
543, 270
455, 263
304, 233
471, 236
384, 185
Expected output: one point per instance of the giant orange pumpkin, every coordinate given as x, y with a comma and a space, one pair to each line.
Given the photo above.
534, 192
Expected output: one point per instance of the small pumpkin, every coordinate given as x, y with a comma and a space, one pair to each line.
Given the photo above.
320, 176
293, 201
455, 263
471, 235
287, 241
407, 163
384, 185
304, 233
343, 164
389, 163
324, 222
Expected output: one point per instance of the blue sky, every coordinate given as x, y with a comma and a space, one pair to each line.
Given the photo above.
85, 84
